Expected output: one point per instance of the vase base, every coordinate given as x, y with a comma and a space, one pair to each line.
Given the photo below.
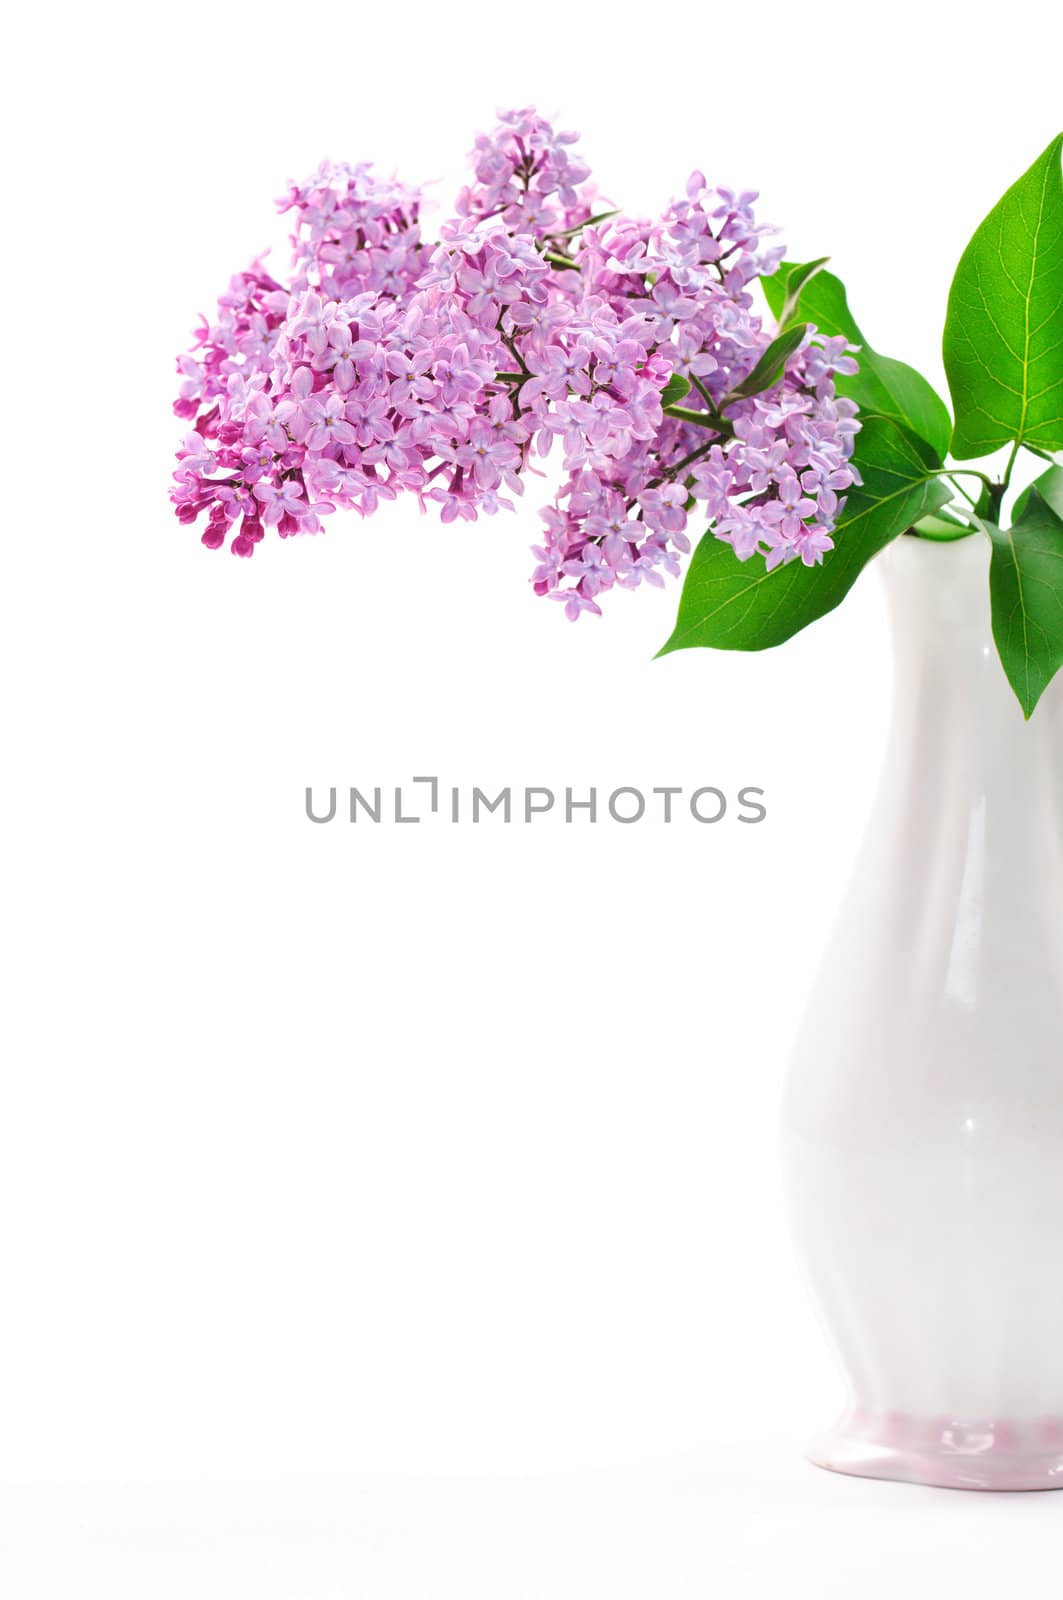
995, 1455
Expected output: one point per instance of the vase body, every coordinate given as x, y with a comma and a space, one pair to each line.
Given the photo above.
923, 1119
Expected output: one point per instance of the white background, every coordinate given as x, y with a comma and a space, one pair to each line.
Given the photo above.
393, 1212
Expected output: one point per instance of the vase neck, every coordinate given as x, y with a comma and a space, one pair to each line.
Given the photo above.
946, 667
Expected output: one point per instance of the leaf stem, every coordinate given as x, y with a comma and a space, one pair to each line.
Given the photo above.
969, 497
965, 472
1008, 469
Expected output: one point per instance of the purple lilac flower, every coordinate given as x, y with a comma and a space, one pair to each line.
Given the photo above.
384, 364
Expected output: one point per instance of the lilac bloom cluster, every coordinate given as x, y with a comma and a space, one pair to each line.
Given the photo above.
527, 174
385, 364
353, 232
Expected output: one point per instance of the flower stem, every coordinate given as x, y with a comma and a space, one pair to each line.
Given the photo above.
705, 395
590, 222
698, 419
687, 460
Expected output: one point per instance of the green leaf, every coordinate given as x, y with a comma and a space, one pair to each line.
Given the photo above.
769, 369
882, 387
820, 298
942, 527
1004, 327
1049, 486
1026, 587
795, 282
729, 604
675, 390
916, 402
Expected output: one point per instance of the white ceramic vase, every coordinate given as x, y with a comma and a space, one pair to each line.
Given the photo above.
923, 1122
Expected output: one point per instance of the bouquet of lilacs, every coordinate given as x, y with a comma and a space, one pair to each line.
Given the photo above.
532, 323
670, 366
